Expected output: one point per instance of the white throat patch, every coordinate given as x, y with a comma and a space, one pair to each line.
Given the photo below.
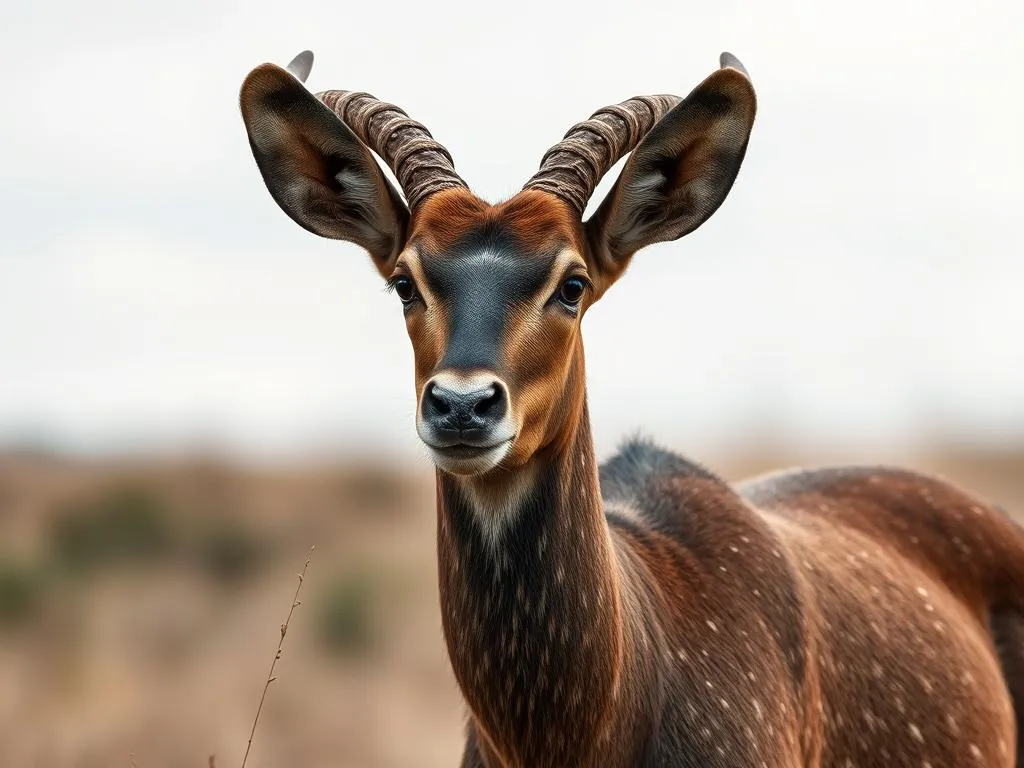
495, 510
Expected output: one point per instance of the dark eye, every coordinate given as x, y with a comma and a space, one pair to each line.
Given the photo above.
572, 291
404, 288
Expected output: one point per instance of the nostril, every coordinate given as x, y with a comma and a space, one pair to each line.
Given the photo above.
437, 404
492, 405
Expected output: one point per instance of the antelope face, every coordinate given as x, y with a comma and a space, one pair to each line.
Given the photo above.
493, 296
493, 302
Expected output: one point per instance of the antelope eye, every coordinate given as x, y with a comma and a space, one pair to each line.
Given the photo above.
572, 291
405, 289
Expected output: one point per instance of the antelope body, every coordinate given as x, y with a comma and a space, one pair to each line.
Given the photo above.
644, 613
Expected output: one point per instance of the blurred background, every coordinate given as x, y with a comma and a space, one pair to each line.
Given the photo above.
193, 390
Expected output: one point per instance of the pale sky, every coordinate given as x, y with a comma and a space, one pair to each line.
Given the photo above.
861, 285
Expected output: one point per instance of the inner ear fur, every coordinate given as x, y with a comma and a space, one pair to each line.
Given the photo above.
679, 174
316, 168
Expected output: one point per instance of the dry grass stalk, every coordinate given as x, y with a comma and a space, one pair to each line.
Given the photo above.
277, 655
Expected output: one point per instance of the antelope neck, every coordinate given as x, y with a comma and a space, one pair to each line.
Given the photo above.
530, 605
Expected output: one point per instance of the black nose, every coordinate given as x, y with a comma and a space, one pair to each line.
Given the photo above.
463, 417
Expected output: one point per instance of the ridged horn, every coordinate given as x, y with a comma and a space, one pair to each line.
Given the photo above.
573, 167
421, 164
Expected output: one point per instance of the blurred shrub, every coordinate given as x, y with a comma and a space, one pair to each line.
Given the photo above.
230, 553
345, 613
128, 523
21, 592
376, 488
137, 525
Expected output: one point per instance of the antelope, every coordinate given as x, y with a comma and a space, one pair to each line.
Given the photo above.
643, 612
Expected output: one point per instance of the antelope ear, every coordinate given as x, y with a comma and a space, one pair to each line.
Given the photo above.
680, 173
316, 168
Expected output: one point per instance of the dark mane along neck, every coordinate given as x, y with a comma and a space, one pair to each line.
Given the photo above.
531, 608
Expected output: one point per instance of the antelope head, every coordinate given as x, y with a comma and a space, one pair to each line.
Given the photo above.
493, 295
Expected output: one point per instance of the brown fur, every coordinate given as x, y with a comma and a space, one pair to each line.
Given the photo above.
817, 619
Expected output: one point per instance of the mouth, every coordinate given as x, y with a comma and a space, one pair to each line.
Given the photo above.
467, 451
466, 459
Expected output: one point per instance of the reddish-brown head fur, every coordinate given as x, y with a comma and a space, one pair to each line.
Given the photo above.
645, 613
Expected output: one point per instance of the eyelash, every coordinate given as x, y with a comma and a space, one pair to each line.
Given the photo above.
582, 278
